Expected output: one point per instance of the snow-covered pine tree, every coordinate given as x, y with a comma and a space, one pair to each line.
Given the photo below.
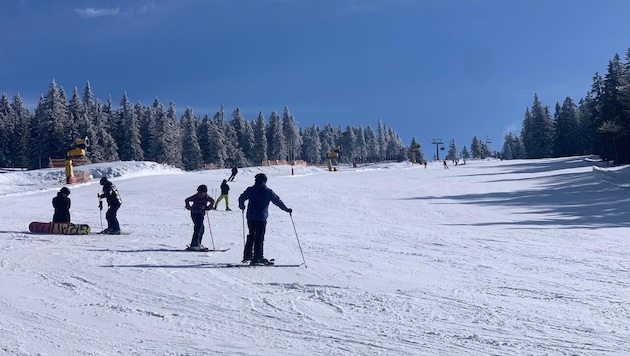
292, 135
103, 147
361, 148
7, 124
217, 145
329, 139
465, 154
538, 131
506, 152
167, 141
567, 140
52, 124
396, 149
249, 143
146, 121
259, 150
381, 139
348, 141
371, 144
475, 148
311, 145
20, 144
76, 113
92, 130
233, 154
125, 121
191, 151
204, 138
277, 148
452, 151
244, 137
130, 145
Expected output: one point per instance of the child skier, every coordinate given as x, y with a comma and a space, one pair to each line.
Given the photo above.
201, 202
114, 201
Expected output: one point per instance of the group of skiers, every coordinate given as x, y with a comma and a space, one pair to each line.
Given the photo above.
61, 203
258, 197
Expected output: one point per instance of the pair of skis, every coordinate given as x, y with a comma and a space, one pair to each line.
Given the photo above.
244, 264
235, 265
205, 249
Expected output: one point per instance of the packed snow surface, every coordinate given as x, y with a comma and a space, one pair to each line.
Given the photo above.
523, 257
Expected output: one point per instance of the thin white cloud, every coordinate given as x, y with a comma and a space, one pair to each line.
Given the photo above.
146, 8
92, 12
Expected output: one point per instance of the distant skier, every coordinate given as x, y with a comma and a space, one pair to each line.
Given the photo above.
234, 171
201, 202
225, 188
259, 196
61, 203
110, 193
445, 164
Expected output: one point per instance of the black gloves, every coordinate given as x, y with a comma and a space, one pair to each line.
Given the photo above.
290, 211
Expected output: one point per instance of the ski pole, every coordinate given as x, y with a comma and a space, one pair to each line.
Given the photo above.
244, 240
100, 209
210, 228
298, 240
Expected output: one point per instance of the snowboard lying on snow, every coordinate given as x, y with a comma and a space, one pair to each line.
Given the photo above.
59, 228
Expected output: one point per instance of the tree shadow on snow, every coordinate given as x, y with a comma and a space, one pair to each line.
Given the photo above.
143, 250
575, 200
536, 167
196, 265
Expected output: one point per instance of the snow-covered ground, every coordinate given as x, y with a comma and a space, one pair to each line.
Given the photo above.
524, 257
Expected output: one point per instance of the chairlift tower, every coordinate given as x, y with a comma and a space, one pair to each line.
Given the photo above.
437, 142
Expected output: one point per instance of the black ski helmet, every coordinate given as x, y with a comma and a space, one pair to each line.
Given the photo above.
202, 188
104, 180
260, 178
65, 191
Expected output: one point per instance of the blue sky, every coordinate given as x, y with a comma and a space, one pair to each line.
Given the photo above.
447, 69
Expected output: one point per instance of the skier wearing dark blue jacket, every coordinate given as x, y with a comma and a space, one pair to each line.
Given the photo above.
259, 196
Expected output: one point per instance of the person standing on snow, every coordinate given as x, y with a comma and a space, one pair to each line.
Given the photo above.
110, 193
61, 203
234, 171
201, 202
225, 188
259, 196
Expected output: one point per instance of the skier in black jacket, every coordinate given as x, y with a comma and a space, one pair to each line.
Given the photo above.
113, 202
225, 188
61, 203
259, 196
233, 175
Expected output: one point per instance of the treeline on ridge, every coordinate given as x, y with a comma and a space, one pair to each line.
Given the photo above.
156, 133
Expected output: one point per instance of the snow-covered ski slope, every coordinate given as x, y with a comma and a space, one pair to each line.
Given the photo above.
524, 257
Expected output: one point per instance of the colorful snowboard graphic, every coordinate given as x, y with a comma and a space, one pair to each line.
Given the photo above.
59, 228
